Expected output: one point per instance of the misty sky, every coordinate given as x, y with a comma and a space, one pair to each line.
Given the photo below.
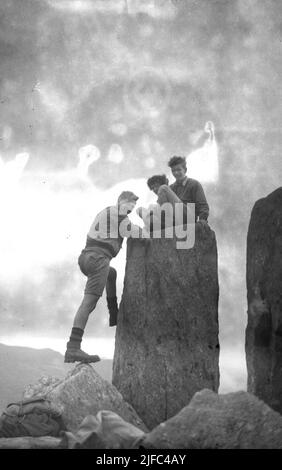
127, 85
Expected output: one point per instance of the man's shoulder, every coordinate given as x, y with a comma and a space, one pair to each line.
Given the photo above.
104, 214
108, 209
188, 182
192, 182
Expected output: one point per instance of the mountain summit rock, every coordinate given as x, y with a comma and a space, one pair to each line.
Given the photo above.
167, 334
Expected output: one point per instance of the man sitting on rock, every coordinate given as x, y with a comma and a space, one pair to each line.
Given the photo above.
154, 183
166, 198
104, 241
187, 189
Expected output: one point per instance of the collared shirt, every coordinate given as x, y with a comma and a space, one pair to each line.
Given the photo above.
191, 191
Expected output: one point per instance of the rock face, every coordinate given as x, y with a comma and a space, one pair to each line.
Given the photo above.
167, 334
83, 392
264, 285
232, 421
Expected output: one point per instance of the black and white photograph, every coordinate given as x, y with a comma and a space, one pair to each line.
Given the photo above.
140, 227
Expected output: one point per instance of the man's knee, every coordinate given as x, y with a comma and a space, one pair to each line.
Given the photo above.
163, 189
163, 194
90, 301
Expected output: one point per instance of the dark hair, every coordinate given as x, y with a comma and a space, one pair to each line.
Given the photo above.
157, 179
176, 160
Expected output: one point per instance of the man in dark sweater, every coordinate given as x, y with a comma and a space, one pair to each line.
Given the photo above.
187, 189
104, 241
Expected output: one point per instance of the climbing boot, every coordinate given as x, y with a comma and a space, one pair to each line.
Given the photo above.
77, 355
113, 310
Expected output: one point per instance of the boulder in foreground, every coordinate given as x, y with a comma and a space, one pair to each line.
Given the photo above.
233, 421
84, 392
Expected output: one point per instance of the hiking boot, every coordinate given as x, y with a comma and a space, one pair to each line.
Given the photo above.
77, 355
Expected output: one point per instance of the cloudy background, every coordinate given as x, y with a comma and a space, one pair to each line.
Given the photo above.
95, 96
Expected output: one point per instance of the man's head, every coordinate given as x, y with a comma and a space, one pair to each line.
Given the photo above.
126, 202
178, 167
156, 181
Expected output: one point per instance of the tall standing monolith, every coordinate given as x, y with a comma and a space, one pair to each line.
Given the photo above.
264, 290
167, 334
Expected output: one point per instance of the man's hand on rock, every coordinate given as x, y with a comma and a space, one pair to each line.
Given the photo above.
205, 226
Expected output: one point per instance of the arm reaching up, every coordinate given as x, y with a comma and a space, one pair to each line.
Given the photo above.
128, 229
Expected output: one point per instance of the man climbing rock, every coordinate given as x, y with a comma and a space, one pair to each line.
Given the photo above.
104, 241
